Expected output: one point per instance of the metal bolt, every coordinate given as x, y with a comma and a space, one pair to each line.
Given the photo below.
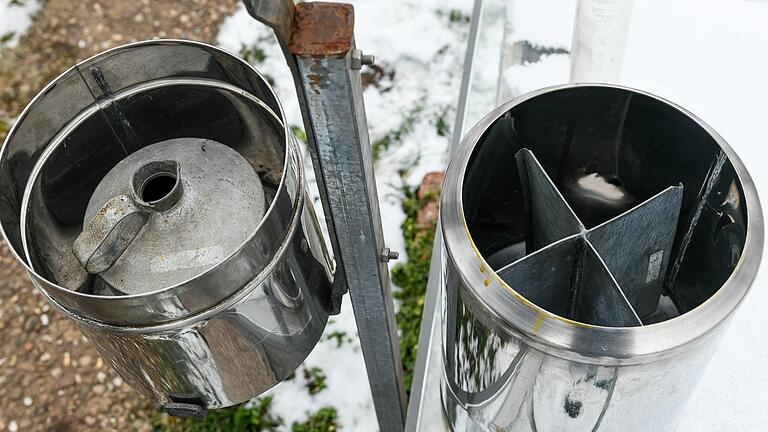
387, 255
359, 59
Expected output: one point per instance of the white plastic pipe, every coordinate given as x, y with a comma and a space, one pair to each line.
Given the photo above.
599, 38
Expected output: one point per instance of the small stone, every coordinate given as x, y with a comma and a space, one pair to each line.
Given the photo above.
78, 379
81, 44
184, 18
28, 346
99, 389
45, 357
99, 363
56, 373
27, 401
13, 426
85, 361
67, 359
90, 421
101, 377
117, 381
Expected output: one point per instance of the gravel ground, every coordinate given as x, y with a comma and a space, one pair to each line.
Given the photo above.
50, 377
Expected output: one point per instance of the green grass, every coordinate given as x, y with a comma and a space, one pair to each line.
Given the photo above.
396, 136
258, 418
455, 16
442, 127
299, 132
238, 418
315, 380
411, 277
324, 420
252, 54
340, 337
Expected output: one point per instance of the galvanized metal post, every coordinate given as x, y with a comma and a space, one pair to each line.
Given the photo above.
326, 64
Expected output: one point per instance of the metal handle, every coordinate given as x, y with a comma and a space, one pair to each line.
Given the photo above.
108, 234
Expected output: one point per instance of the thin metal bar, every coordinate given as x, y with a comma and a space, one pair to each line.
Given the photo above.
461, 110
425, 351
428, 368
328, 66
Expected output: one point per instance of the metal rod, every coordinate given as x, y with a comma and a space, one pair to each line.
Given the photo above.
461, 111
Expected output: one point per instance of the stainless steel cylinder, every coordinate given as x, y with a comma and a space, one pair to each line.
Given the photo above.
597, 239
225, 331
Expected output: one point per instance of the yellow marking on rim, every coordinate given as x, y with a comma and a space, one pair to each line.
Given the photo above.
541, 313
537, 324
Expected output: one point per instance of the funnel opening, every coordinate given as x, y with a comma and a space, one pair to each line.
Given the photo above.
158, 187
157, 184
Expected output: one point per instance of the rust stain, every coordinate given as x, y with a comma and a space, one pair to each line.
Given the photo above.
537, 324
486, 282
322, 29
541, 313
314, 81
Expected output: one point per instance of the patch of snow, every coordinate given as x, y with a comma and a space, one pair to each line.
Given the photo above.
549, 70
15, 17
545, 23
709, 56
422, 53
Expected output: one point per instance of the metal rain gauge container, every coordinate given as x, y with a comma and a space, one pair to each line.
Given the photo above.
156, 197
597, 239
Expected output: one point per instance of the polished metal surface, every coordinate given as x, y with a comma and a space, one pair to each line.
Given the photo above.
525, 351
238, 325
334, 102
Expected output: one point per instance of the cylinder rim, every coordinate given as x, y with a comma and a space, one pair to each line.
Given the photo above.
507, 309
290, 152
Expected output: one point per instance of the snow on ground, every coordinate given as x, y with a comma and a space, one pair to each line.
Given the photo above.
15, 17
420, 45
709, 56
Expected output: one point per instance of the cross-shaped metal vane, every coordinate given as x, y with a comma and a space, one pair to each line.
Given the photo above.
609, 275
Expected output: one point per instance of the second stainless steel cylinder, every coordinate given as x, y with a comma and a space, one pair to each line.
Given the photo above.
597, 239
